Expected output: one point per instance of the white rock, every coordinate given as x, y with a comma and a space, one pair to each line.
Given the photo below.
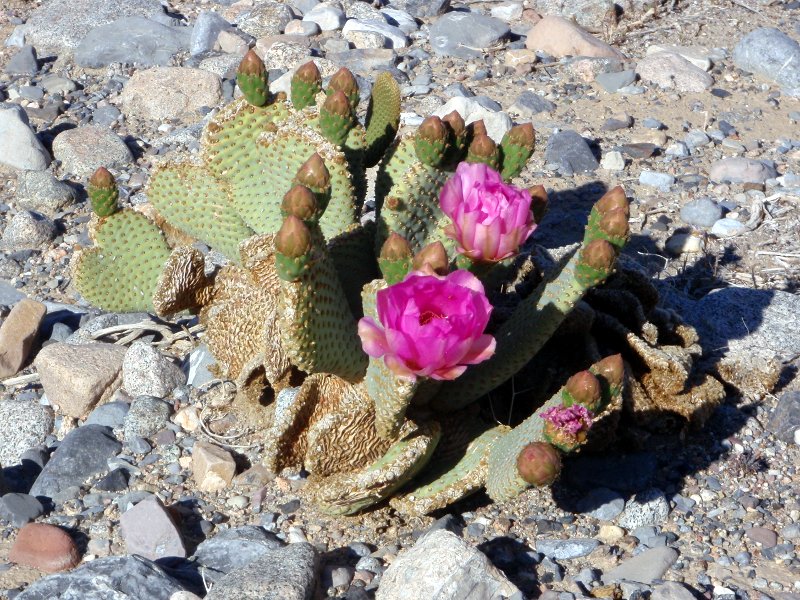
613, 161
497, 123
366, 39
696, 56
728, 227
797, 436
684, 243
145, 372
507, 11
19, 146
401, 19
395, 35
328, 17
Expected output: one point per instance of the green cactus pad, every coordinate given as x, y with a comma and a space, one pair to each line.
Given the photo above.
352, 254
514, 156
392, 396
349, 493
196, 202
383, 118
446, 483
120, 273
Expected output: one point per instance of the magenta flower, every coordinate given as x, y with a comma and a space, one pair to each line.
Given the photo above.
566, 427
430, 326
490, 219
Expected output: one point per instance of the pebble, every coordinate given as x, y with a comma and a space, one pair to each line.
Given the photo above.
205, 32
147, 416
772, 54
701, 212
83, 149
265, 18
741, 170
645, 567
421, 9
613, 161
18, 333
612, 82
23, 62
571, 152
111, 414
148, 530
784, 421
234, 548
395, 36
19, 146
132, 40
28, 230
45, 547
26, 423
649, 507
602, 503
328, 17
41, 191
663, 181
163, 93
561, 37
145, 372
76, 377
671, 71
462, 33
20, 509
671, 590
728, 227
213, 468
566, 549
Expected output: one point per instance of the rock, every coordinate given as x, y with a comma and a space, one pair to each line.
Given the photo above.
530, 103
566, 549
364, 62
55, 84
671, 590
266, 18
397, 38
663, 181
213, 468
401, 19
120, 577
83, 149
40, 191
23, 62
611, 82
645, 567
145, 372
649, 507
110, 415
608, 534
727, 227
83, 452
701, 212
761, 535
304, 28
19, 146
164, 93
205, 32
28, 231
366, 39
115, 481
587, 13
188, 418
18, 333
507, 11
464, 34
442, 566
19, 509
288, 573
146, 417
783, 422
148, 531
613, 161
684, 243
560, 37
671, 71
741, 170
138, 40
695, 56
234, 548
26, 424
44, 547
328, 17
571, 152
471, 110
75, 378
60, 24
772, 54
421, 9
602, 503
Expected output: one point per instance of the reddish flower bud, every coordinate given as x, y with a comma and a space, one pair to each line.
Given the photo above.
300, 202
539, 463
584, 388
432, 256
395, 248
293, 239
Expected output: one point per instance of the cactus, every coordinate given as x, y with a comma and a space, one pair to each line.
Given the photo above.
382, 411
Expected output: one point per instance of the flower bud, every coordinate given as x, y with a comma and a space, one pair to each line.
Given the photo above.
612, 369
293, 239
433, 257
583, 388
478, 128
538, 202
103, 192
430, 142
614, 223
456, 123
613, 198
522, 135
306, 84
566, 427
599, 255
539, 463
300, 202
102, 178
314, 174
344, 81
395, 248
252, 79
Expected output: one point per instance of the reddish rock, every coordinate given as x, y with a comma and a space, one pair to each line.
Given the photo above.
561, 37
18, 334
44, 547
761, 535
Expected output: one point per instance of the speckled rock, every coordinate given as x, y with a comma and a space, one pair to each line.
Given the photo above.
146, 372
146, 417
671, 71
26, 424
42, 192
19, 146
28, 230
83, 149
163, 93
18, 333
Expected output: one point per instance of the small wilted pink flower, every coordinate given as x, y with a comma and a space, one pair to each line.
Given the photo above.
430, 326
490, 219
571, 420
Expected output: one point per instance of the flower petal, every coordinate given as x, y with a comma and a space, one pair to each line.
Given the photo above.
373, 337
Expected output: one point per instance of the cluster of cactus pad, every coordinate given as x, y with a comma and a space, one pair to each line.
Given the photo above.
278, 189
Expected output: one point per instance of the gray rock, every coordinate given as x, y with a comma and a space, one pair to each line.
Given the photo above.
442, 566
772, 54
206, 29
649, 507
288, 573
138, 40
741, 170
266, 18
234, 548
200, 360
19, 509
120, 577
671, 590
84, 452
701, 212
672, 71
9, 296
19, 146
695, 139
83, 149
587, 13
41, 191
145, 372
104, 116
55, 84
663, 181
146, 417
109, 415
645, 567
365, 61
602, 503
464, 34
136, 444
115, 481
784, 420
421, 8
26, 424
148, 530
530, 103
28, 231
23, 62
566, 549
400, 19
60, 24
396, 37
727, 227
571, 152
611, 82
302, 6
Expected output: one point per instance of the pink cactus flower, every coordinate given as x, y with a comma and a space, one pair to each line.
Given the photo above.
569, 420
430, 326
490, 219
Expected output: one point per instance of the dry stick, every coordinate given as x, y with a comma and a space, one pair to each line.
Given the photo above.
21, 379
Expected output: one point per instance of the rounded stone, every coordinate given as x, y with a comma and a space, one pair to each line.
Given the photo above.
25, 425
164, 93
44, 547
28, 231
83, 149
